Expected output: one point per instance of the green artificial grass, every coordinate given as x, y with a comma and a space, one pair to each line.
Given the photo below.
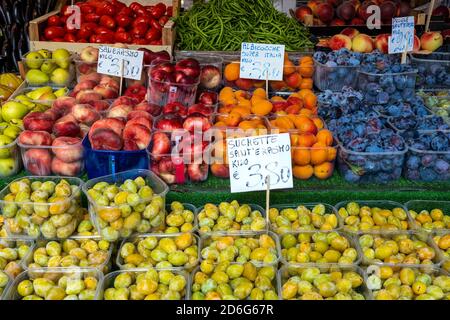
330, 191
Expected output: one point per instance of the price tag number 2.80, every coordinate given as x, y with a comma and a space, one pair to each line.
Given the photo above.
114, 67
277, 174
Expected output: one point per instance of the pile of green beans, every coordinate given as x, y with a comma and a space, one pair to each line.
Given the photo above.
222, 25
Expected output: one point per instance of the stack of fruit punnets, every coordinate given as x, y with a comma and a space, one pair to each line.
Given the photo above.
54, 284
49, 68
324, 283
146, 284
369, 151
126, 202
13, 252
298, 71
174, 82
42, 206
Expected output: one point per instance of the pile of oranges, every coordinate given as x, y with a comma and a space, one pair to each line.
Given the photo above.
294, 76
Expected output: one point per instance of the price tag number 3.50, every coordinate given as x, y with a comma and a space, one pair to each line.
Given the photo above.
277, 175
128, 71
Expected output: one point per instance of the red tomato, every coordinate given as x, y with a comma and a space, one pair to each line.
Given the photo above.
153, 34
163, 20
123, 37
126, 11
158, 10
86, 8
91, 17
169, 11
69, 37
54, 21
139, 30
106, 8
108, 22
155, 24
123, 20
51, 33
105, 38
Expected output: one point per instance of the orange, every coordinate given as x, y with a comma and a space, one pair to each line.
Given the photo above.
317, 121
331, 154
261, 107
310, 100
301, 156
324, 170
303, 172
304, 124
288, 68
306, 140
307, 83
319, 153
232, 71
260, 92
325, 136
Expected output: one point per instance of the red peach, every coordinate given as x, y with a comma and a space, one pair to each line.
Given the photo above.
129, 101
35, 138
85, 85
220, 170
339, 41
63, 105
197, 172
160, 144
68, 149
431, 41
96, 77
151, 108
362, 43
88, 96
62, 168
121, 111
106, 92
105, 139
84, 113
38, 121
350, 32
38, 161
244, 84
100, 105
142, 121
67, 126
114, 124
130, 145
139, 134
382, 42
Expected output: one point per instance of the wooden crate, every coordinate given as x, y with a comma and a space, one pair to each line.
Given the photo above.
168, 32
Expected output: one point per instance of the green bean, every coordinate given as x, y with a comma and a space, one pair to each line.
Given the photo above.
225, 24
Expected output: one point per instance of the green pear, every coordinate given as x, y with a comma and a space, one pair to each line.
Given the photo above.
12, 131
48, 67
48, 96
61, 92
34, 60
62, 58
13, 110
37, 93
37, 77
60, 77
7, 167
17, 122
29, 104
47, 54
22, 97
4, 141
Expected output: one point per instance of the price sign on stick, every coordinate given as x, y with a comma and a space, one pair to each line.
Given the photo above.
402, 38
262, 61
253, 159
110, 62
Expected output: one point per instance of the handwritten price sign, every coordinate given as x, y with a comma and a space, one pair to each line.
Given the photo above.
252, 159
262, 61
110, 62
402, 38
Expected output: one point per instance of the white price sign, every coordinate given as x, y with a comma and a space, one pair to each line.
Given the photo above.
402, 37
262, 61
252, 159
112, 60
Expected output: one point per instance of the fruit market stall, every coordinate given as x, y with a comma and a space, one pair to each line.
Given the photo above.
122, 138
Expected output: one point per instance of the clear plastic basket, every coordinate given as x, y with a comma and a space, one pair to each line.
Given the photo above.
430, 172
55, 275
10, 161
205, 61
206, 241
443, 256
351, 241
62, 79
104, 267
329, 209
135, 239
334, 78
15, 266
428, 205
286, 272
32, 219
67, 160
83, 68
370, 167
104, 228
413, 235
110, 277
26, 90
382, 204
433, 69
